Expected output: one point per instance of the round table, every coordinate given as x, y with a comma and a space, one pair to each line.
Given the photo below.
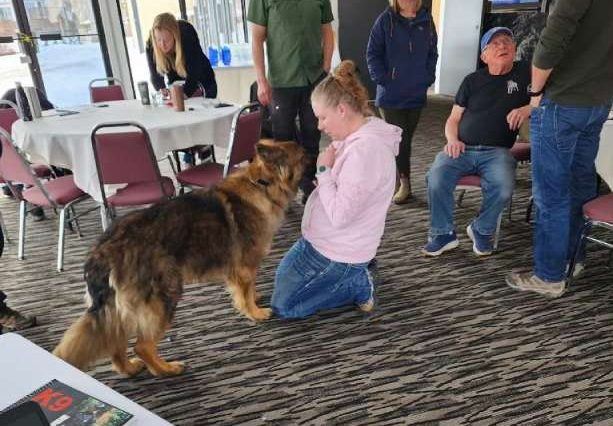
65, 141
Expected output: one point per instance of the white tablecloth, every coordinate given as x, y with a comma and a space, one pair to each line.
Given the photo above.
24, 367
604, 160
65, 140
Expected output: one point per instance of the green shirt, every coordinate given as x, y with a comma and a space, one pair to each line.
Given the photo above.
577, 43
293, 38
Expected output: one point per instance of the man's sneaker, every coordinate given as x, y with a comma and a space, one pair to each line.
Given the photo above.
527, 281
482, 244
404, 194
578, 271
367, 306
13, 320
439, 244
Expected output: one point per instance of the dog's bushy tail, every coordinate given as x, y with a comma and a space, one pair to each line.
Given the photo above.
96, 332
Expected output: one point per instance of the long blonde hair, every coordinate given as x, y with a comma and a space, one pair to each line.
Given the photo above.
344, 85
396, 6
164, 63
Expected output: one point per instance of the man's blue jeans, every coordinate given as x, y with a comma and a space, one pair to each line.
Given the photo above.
564, 142
307, 282
495, 166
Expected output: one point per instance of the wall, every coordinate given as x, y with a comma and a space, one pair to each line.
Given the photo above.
233, 83
458, 43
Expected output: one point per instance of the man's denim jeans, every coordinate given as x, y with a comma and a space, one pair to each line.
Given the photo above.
307, 282
495, 166
564, 142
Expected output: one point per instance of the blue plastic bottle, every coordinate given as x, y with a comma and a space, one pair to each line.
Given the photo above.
213, 56
226, 55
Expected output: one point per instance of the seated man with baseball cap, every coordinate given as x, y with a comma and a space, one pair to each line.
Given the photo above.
489, 108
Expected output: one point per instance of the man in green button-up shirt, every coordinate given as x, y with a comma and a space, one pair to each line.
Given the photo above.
299, 44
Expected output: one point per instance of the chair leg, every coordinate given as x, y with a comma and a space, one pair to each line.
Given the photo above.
585, 230
73, 218
4, 230
175, 155
460, 198
60, 241
510, 208
104, 217
22, 229
529, 209
497, 234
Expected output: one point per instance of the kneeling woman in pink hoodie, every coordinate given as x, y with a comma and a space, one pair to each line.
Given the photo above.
344, 217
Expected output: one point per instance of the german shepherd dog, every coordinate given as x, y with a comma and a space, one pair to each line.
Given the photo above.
136, 271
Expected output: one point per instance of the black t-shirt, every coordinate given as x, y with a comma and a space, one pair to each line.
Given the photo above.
488, 99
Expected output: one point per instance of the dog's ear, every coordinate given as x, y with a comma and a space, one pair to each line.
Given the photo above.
270, 153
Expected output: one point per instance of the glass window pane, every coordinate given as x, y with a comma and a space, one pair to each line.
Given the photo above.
67, 17
81, 59
12, 68
138, 16
219, 23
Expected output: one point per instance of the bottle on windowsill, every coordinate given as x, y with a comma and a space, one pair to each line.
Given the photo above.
22, 102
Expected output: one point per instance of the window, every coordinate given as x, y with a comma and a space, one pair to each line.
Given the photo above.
218, 22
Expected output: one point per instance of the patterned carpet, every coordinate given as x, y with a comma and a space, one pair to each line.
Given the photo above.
449, 343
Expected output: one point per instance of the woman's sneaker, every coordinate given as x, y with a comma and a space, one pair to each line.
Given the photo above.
482, 244
439, 244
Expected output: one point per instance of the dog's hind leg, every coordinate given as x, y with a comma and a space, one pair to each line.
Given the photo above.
152, 325
244, 294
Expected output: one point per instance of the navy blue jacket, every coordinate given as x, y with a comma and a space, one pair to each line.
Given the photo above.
401, 57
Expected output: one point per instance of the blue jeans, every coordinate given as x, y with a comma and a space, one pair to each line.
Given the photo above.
307, 281
495, 166
565, 142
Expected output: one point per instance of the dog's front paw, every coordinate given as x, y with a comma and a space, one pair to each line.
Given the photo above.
129, 368
260, 314
173, 368
136, 366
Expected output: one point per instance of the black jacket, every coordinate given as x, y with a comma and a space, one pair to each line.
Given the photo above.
197, 65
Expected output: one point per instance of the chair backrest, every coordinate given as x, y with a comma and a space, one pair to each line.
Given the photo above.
124, 157
8, 115
245, 134
15, 169
111, 92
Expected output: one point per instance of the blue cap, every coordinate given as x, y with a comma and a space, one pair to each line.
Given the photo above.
489, 35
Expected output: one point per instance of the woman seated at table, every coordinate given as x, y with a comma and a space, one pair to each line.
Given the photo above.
173, 50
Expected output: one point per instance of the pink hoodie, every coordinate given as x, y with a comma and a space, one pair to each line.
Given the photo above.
344, 217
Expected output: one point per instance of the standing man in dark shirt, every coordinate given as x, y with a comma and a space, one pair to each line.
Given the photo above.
572, 87
299, 45
489, 108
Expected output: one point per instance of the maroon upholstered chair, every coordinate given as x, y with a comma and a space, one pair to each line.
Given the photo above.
473, 183
59, 194
128, 158
521, 151
245, 134
597, 213
110, 92
7, 117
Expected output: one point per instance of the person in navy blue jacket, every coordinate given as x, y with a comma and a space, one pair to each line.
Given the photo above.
401, 56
